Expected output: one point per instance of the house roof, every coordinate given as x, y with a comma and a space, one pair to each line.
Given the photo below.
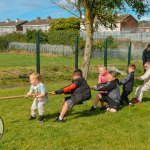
12, 23
38, 22
144, 24
122, 17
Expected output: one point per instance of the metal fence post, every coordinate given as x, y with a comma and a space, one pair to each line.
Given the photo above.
76, 51
105, 52
129, 54
38, 53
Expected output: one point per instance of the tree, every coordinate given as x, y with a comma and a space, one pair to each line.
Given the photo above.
65, 24
106, 11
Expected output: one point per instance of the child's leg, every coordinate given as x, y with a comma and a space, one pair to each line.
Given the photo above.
67, 104
101, 101
138, 89
64, 110
124, 97
141, 90
41, 104
96, 100
113, 105
34, 107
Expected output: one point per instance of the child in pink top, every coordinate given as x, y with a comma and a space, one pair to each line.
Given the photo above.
102, 78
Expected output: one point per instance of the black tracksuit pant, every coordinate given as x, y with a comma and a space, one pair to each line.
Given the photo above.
124, 97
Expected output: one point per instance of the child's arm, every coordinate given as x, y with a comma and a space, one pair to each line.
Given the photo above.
125, 80
144, 77
105, 87
29, 94
66, 90
40, 96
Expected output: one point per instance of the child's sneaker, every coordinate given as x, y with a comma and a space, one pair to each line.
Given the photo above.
41, 119
131, 104
108, 109
92, 108
134, 100
57, 120
32, 118
138, 103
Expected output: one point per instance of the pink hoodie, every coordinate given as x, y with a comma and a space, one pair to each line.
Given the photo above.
102, 78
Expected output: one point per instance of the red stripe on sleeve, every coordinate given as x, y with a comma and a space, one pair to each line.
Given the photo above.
69, 88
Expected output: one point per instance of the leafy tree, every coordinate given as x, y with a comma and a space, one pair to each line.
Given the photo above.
67, 24
106, 11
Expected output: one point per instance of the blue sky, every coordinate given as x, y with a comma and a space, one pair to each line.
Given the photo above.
28, 10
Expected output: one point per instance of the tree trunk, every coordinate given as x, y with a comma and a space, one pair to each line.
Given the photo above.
89, 40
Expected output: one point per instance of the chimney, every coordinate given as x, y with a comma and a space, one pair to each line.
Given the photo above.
48, 18
17, 19
7, 20
38, 18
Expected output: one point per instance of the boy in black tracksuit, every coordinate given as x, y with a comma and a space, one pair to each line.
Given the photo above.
113, 91
128, 84
79, 90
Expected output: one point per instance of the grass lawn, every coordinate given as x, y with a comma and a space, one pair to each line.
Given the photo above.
128, 129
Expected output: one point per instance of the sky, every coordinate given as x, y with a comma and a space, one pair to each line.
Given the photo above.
29, 10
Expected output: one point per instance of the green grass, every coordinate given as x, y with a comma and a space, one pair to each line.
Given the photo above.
16, 68
128, 129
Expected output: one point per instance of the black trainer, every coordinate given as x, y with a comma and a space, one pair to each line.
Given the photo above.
57, 120
41, 119
92, 108
32, 118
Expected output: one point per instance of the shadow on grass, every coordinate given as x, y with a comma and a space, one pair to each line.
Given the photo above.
146, 99
86, 113
51, 116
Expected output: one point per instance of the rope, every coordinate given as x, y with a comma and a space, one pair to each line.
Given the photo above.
19, 96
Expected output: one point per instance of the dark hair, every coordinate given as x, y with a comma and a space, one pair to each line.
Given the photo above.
133, 66
148, 45
113, 73
77, 72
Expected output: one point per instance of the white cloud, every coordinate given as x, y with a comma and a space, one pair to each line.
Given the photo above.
146, 18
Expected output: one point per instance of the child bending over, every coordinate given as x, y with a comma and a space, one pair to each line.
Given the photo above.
79, 90
113, 91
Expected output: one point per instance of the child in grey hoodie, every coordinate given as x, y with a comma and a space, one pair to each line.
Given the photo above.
113, 92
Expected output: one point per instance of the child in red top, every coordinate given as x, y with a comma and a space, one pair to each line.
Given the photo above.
102, 78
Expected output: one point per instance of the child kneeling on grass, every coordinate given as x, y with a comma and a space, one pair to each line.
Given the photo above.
113, 92
137, 98
102, 78
79, 90
38, 91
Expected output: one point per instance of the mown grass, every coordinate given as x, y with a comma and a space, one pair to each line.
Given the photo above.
128, 129
16, 68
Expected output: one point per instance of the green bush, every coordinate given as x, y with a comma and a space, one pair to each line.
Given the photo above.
64, 38
99, 44
3, 44
65, 24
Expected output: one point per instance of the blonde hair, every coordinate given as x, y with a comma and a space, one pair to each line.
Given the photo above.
102, 67
36, 75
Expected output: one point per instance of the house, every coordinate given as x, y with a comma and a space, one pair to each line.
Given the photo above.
144, 26
11, 26
125, 22
37, 24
